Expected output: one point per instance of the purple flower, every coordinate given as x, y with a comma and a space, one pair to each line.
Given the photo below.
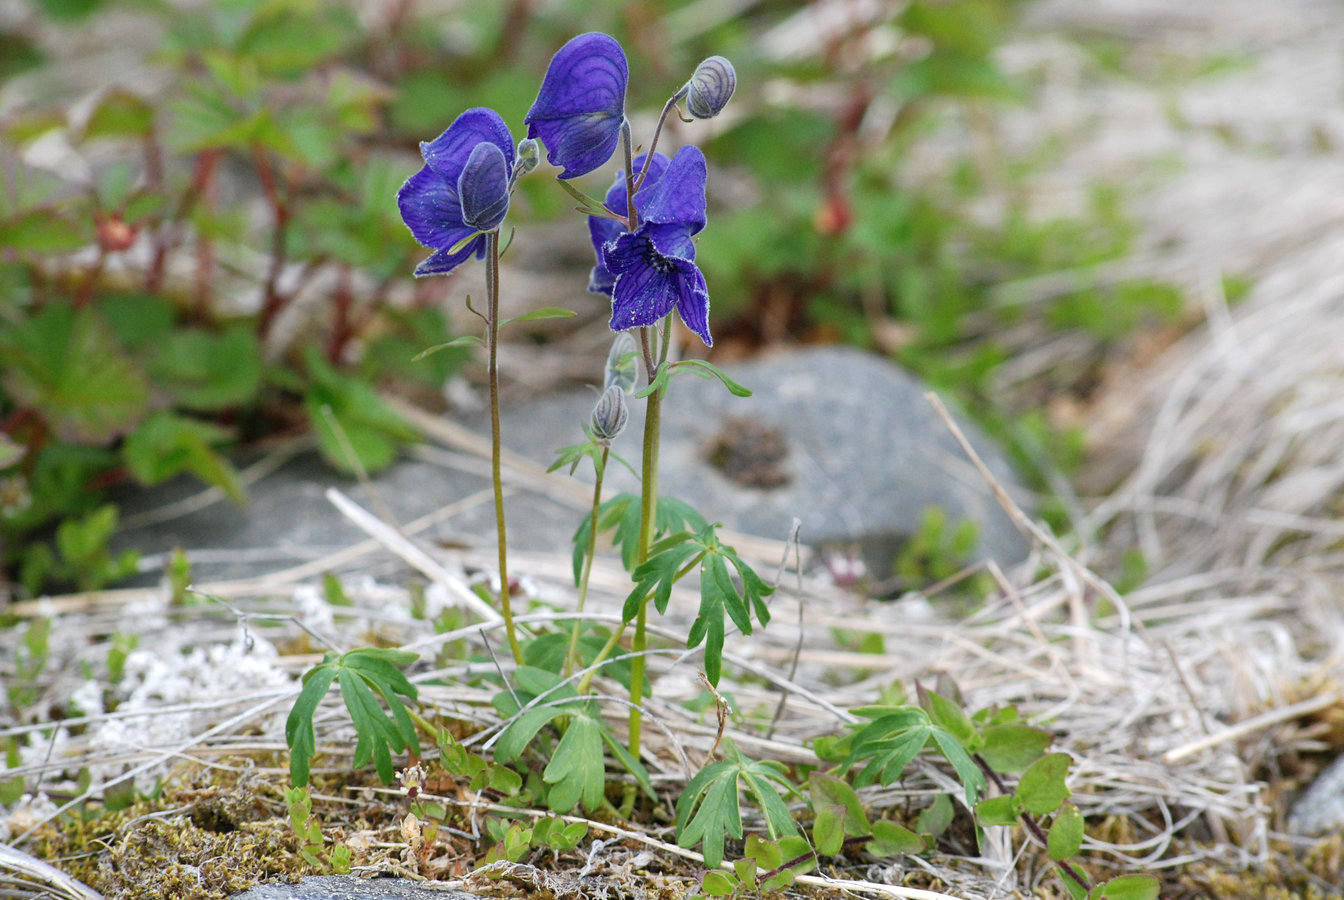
652, 269
603, 230
581, 105
462, 190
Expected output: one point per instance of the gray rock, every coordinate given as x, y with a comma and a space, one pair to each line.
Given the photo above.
842, 440
350, 887
1320, 808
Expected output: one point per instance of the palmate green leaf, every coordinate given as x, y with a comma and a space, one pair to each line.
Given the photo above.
888, 757
716, 813
66, 365
947, 714
719, 596
657, 577
299, 734
972, 779
167, 444
207, 371
364, 674
576, 772
708, 809
366, 426
531, 683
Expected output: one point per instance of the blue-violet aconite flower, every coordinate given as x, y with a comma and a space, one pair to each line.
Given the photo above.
653, 267
581, 105
460, 191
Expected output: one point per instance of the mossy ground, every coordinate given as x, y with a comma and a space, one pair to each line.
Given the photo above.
214, 831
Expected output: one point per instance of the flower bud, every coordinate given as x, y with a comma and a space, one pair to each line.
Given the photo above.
610, 415
622, 363
529, 155
710, 88
483, 187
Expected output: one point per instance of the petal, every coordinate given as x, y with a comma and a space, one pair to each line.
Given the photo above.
616, 193
649, 286
679, 195
441, 262
431, 210
448, 153
581, 104
577, 144
643, 291
673, 239
603, 230
484, 187
693, 304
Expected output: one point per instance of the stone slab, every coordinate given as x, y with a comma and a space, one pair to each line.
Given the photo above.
842, 440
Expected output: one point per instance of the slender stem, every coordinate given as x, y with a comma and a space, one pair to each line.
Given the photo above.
1034, 828
600, 468
492, 369
648, 500
657, 132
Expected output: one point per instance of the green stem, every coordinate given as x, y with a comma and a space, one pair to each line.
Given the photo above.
600, 468
492, 370
648, 500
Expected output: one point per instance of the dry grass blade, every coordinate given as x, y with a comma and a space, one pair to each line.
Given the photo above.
22, 875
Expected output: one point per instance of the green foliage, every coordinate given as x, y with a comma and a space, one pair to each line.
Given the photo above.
936, 551
312, 845
520, 840
33, 652
80, 555
671, 558
708, 810
354, 429
575, 772
766, 867
620, 515
118, 365
364, 674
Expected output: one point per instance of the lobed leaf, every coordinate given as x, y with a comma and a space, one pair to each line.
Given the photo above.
576, 772
299, 734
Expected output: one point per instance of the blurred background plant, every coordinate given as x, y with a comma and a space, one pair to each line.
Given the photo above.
203, 252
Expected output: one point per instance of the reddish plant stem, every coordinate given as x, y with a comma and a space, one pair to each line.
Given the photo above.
272, 300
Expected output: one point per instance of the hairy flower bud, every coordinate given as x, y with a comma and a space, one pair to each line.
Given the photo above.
710, 88
529, 155
611, 414
622, 363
